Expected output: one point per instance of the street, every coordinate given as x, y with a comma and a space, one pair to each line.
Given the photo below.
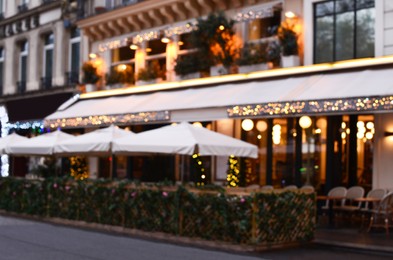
25, 239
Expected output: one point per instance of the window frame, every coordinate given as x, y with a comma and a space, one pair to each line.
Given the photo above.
334, 14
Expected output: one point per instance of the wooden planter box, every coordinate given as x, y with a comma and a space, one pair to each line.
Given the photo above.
253, 67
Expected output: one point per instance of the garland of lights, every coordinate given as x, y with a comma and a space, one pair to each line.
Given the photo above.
252, 15
357, 104
78, 168
233, 173
200, 168
4, 132
160, 116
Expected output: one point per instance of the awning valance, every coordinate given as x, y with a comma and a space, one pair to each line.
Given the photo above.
333, 92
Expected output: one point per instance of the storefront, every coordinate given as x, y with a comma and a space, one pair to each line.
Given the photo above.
349, 117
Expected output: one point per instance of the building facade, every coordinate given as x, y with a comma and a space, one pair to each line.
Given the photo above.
339, 78
39, 64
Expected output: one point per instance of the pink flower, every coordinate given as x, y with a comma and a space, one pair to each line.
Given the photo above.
67, 188
113, 191
133, 194
165, 194
242, 200
55, 185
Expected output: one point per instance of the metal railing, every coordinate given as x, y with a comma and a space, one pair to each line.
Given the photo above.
46, 83
21, 87
72, 78
22, 8
86, 9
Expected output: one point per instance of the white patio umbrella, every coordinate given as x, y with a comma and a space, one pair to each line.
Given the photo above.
10, 139
98, 142
185, 139
41, 145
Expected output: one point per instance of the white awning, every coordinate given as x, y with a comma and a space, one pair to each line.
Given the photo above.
345, 91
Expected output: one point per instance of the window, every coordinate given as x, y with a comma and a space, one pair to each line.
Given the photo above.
22, 77
1, 70
263, 27
23, 5
344, 29
2, 9
48, 61
109, 4
74, 57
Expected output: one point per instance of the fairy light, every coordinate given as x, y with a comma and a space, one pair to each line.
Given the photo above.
356, 104
4, 132
252, 15
103, 120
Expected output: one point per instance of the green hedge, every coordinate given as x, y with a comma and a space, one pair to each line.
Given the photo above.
250, 218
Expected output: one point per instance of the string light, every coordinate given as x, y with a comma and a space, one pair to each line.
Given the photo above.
358, 104
4, 132
103, 120
252, 15
233, 174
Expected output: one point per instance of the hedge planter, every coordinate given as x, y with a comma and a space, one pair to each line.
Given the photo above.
195, 75
148, 82
260, 219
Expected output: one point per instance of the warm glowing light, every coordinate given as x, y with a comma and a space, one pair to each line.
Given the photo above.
343, 125
348, 131
369, 135
221, 27
343, 135
148, 50
277, 128
290, 14
259, 137
197, 124
247, 124
180, 43
360, 124
370, 125
134, 47
360, 135
121, 67
92, 55
261, 126
165, 40
305, 122
321, 123
318, 131
203, 176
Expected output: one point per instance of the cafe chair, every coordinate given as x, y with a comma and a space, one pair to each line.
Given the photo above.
335, 192
291, 188
307, 189
383, 215
374, 193
267, 188
349, 204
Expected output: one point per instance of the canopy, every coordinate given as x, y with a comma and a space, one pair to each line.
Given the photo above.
184, 138
10, 139
41, 145
98, 142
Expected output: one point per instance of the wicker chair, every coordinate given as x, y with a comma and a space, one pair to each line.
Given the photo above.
383, 215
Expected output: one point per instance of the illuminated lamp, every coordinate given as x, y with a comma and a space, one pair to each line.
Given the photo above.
305, 122
261, 126
247, 124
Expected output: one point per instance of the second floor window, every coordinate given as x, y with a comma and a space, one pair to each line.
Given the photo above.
344, 29
1, 70
74, 56
48, 56
22, 77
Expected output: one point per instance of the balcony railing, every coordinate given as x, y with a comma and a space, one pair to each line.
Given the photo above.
22, 8
84, 11
72, 78
21, 87
48, 1
46, 83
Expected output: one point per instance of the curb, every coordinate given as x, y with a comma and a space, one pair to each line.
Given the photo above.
155, 236
355, 246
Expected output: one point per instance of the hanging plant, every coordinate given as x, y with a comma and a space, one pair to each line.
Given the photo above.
90, 73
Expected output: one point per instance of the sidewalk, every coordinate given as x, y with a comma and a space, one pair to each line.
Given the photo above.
354, 238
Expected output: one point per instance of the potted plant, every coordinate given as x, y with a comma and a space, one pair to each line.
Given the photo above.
273, 53
253, 57
190, 66
216, 43
150, 75
288, 40
90, 76
122, 74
